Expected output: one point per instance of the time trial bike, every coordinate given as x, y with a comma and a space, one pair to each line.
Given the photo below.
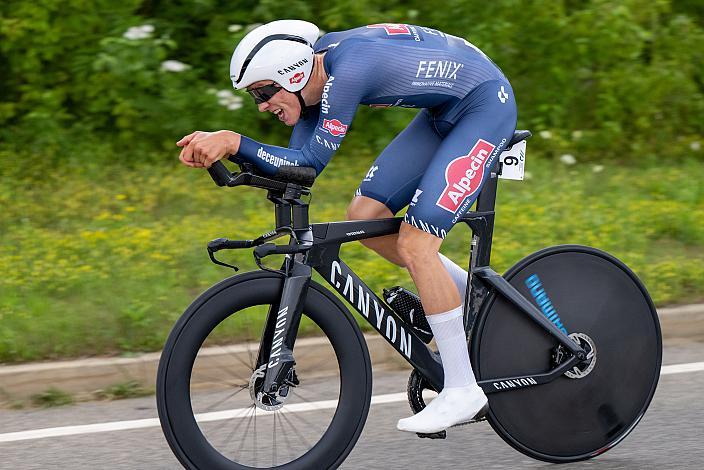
566, 344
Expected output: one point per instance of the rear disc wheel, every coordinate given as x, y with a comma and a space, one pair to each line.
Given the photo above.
606, 309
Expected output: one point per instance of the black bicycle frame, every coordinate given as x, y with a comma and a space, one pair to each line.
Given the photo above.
324, 256
319, 247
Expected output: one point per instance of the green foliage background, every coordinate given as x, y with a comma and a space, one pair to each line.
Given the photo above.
102, 233
626, 73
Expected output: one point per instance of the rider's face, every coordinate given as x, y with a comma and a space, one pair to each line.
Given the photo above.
283, 104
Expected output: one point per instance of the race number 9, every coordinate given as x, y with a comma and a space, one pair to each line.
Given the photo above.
513, 162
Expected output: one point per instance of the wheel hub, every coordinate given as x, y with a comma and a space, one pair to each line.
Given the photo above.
270, 401
583, 369
264, 401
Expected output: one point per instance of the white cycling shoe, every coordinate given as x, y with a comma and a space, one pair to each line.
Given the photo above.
452, 406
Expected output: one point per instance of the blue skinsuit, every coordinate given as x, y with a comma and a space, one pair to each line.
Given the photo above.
439, 162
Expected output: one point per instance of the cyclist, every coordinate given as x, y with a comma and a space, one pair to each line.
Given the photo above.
436, 166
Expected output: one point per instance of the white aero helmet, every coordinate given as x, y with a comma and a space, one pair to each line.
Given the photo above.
281, 51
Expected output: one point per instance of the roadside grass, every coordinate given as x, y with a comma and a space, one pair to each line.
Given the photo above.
123, 390
10, 401
52, 397
103, 260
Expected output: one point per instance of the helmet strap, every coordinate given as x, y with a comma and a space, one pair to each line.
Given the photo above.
302, 103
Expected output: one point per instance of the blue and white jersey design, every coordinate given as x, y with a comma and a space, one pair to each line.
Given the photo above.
379, 65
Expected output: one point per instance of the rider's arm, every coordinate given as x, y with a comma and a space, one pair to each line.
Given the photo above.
268, 158
343, 98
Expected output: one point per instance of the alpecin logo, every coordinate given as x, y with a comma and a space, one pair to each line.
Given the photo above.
464, 176
334, 127
392, 29
296, 78
324, 103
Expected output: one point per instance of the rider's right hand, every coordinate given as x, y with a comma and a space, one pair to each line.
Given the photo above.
202, 149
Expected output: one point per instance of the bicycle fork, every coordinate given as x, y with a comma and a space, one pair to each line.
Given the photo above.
281, 329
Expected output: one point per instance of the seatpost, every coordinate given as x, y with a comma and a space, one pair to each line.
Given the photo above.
486, 202
481, 222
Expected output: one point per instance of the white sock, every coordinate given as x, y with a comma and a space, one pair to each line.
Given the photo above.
458, 275
448, 329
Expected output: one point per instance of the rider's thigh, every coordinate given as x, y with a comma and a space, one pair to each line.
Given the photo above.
464, 159
364, 208
393, 177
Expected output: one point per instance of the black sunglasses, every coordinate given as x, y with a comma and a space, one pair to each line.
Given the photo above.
264, 93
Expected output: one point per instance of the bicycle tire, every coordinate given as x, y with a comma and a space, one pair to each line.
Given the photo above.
567, 419
176, 415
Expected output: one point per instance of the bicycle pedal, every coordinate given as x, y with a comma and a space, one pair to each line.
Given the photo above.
434, 435
471, 421
481, 416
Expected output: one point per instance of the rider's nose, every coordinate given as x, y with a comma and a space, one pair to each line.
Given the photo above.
262, 106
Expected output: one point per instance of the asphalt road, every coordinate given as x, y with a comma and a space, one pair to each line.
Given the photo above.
670, 436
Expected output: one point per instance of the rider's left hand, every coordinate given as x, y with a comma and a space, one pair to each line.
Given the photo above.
202, 149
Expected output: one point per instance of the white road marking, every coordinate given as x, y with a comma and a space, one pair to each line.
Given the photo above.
242, 412
680, 368
201, 418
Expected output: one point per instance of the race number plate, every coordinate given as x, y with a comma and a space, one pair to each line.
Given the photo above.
513, 162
